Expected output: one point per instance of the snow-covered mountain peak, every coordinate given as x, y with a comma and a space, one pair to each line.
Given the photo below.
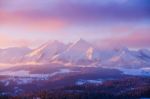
47, 47
49, 44
81, 41
55, 42
75, 52
145, 52
80, 45
79, 52
46, 51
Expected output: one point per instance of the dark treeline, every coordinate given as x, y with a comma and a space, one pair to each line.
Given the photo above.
77, 95
129, 88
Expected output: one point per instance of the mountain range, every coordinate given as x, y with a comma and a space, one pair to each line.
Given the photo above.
80, 52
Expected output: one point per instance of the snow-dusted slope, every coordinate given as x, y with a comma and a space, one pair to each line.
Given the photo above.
75, 52
145, 54
83, 53
80, 52
13, 55
45, 52
96, 54
126, 57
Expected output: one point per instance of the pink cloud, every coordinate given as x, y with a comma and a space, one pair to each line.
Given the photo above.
5, 40
32, 25
139, 38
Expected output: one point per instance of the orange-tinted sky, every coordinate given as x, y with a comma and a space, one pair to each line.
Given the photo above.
32, 22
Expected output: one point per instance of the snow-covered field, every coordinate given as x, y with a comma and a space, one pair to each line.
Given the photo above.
24, 73
81, 81
19, 80
24, 77
136, 72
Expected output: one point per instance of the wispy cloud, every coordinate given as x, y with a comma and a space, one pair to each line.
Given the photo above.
72, 19
138, 38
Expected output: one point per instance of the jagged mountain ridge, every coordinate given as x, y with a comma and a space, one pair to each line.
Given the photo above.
79, 52
45, 51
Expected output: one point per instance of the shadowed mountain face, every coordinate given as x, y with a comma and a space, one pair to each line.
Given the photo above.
80, 52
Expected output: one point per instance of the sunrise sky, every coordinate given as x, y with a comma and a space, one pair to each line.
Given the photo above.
32, 22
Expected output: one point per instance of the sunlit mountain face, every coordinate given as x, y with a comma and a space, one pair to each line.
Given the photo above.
74, 49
